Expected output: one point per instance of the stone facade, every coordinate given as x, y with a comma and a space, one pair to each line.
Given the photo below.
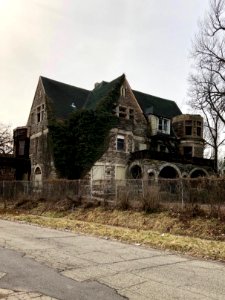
129, 136
42, 165
189, 129
145, 126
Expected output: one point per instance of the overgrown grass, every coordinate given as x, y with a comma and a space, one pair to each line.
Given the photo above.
200, 237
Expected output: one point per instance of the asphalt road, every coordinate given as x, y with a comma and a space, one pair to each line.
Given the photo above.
63, 265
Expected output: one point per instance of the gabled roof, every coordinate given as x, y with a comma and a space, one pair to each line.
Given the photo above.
157, 106
100, 92
65, 98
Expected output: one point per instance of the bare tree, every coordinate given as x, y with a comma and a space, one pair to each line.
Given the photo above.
6, 140
207, 81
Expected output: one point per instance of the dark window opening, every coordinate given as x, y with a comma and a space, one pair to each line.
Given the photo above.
37, 171
136, 172
168, 172
188, 152
199, 131
40, 113
198, 173
120, 144
122, 112
131, 114
38, 117
160, 124
188, 130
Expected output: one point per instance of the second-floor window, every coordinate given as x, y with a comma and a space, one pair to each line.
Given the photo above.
188, 127
40, 113
124, 112
199, 128
163, 126
120, 142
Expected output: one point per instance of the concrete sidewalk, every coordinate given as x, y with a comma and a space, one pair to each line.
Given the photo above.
11, 295
132, 271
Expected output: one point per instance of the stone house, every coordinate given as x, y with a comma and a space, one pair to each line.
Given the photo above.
152, 139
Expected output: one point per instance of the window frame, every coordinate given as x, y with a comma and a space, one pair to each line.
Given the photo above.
120, 143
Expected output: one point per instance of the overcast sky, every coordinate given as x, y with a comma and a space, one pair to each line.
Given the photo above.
81, 42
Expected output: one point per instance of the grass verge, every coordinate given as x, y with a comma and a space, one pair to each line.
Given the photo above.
197, 237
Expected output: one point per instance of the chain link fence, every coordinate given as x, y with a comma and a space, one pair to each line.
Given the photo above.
206, 192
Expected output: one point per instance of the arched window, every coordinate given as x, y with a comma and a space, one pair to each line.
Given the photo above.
37, 171
168, 172
198, 173
136, 172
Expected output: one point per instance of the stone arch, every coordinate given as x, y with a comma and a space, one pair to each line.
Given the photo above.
136, 171
38, 174
198, 172
151, 174
184, 175
169, 171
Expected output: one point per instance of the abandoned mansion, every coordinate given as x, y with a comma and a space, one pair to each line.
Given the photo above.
151, 138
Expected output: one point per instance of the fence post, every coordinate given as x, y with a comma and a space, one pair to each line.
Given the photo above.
116, 190
91, 189
3, 194
3, 189
182, 194
142, 186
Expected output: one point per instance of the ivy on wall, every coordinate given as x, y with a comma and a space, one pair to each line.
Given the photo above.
83, 138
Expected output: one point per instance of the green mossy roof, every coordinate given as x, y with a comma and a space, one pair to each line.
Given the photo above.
101, 91
65, 98
157, 106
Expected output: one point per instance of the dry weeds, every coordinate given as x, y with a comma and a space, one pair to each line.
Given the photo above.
197, 237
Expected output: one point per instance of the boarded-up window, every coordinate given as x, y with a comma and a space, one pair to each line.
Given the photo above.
120, 173
21, 147
98, 172
142, 146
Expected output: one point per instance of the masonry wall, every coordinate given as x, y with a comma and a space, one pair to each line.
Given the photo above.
133, 128
189, 129
40, 147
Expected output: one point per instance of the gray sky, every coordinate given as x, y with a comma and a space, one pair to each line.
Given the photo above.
81, 42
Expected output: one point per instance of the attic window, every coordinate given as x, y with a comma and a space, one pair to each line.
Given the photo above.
40, 113
122, 112
131, 114
123, 91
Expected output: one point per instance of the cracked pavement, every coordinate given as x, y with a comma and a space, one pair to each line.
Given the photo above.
43, 263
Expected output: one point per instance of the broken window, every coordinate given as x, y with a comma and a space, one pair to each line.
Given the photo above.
120, 143
163, 126
188, 127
